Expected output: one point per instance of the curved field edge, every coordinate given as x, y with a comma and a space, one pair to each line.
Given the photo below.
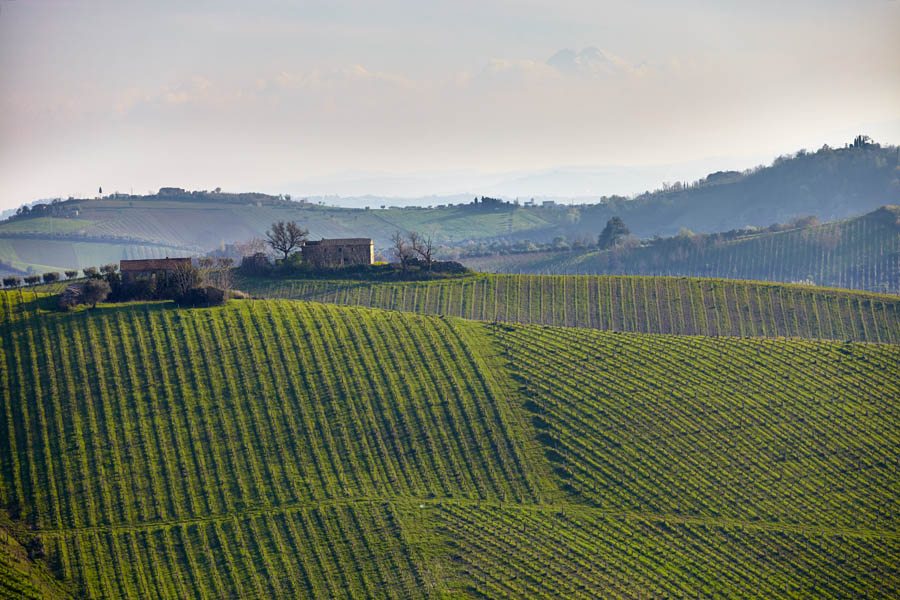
292, 449
670, 305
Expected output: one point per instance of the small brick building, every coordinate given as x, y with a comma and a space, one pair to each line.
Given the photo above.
152, 267
339, 252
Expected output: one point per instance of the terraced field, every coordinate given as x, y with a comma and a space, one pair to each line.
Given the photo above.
713, 307
279, 449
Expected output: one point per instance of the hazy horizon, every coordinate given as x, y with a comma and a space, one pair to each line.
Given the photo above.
411, 100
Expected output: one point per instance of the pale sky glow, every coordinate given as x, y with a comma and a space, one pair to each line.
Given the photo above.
307, 97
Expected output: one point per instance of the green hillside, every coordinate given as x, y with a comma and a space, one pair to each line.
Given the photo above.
276, 449
830, 184
639, 304
859, 253
23, 577
190, 222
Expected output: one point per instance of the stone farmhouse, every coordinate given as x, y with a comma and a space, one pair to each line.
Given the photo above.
152, 267
339, 252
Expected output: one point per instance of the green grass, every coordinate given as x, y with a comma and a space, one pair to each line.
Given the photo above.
620, 303
859, 253
291, 449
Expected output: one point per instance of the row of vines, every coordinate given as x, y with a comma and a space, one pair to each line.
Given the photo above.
555, 554
800, 433
639, 304
861, 253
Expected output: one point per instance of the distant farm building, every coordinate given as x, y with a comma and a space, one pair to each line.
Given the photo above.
153, 267
339, 252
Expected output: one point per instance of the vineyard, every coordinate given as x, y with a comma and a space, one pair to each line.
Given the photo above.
619, 303
754, 430
20, 576
282, 449
859, 253
575, 553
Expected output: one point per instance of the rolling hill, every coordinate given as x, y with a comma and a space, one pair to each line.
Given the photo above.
858, 253
831, 184
671, 305
274, 448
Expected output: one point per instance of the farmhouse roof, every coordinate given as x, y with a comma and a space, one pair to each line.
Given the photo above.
340, 242
152, 264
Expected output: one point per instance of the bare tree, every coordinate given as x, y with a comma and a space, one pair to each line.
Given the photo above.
285, 237
423, 247
221, 275
401, 249
184, 278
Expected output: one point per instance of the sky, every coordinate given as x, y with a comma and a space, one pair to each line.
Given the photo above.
409, 98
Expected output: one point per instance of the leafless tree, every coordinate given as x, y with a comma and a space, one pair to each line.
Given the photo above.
222, 276
423, 247
401, 249
285, 237
184, 278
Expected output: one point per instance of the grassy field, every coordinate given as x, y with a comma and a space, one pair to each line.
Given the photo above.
618, 303
859, 253
278, 449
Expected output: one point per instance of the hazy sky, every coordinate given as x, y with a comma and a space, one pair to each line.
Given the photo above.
262, 94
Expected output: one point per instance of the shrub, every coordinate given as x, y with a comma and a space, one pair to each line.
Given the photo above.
239, 295
12, 281
51, 277
201, 296
91, 272
140, 289
32, 279
71, 274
